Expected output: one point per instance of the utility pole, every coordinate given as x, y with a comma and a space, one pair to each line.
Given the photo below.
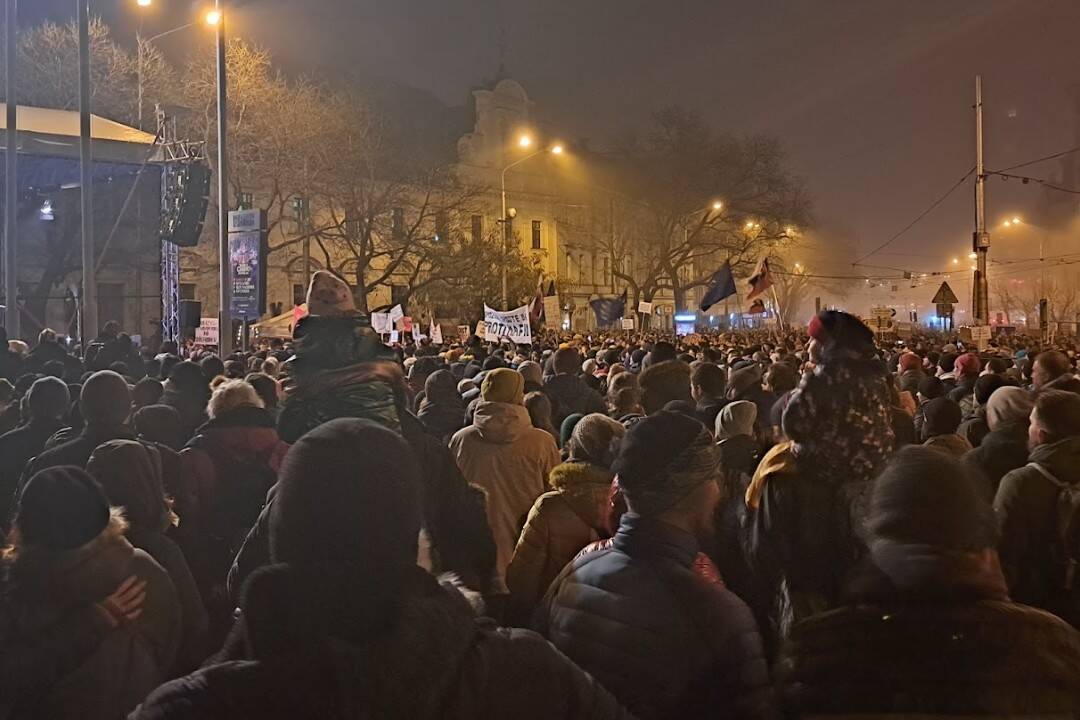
981, 240
86, 182
11, 190
225, 334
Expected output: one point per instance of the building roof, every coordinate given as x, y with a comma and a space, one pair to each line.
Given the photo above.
65, 123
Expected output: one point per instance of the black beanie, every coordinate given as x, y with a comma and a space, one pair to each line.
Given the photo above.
62, 508
646, 464
105, 399
942, 416
928, 497
347, 501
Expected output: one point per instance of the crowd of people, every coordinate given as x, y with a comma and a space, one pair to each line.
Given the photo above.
804, 524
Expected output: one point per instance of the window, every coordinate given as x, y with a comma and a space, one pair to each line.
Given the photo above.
442, 226
477, 228
110, 302
187, 291
398, 223
536, 239
298, 294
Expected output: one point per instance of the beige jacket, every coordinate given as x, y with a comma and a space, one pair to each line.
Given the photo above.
505, 455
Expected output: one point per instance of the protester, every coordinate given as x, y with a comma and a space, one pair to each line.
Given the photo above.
66, 555
967, 369
1050, 369
707, 388
666, 642
930, 388
781, 381
442, 412
911, 373
974, 426
159, 424
569, 517
737, 449
1039, 508
147, 391
344, 624
942, 418
1005, 447
567, 391
130, 473
662, 383
510, 459
927, 628
533, 374
47, 402
267, 389
539, 408
188, 391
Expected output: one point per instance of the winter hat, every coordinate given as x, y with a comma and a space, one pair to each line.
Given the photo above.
147, 391
968, 364
594, 439
931, 387
736, 418
465, 386
48, 398
910, 361
942, 417
950, 348
232, 395
130, 474
503, 385
566, 430
927, 497
440, 387
62, 508
329, 295
663, 458
160, 424
347, 502
985, 387
840, 332
589, 367
743, 379
1009, 405
105, 399
532, 372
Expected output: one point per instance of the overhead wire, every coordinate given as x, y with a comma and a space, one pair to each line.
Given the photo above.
1036, 161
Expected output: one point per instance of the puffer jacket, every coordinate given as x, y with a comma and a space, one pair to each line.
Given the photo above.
511, 460
570, 394
1001, 451
54, 668
1025, 504
559, 525
666, 642
948, 644
436, 660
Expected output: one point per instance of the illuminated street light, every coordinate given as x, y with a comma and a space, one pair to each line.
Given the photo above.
143, 3
213, 17
749, 225
972, 256
717, 205
956, 261
524, 141
557, 149
1016, 220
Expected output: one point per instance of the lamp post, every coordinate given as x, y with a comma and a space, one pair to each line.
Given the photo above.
524, 141
216, 17
86, 176
11, 197
141, 46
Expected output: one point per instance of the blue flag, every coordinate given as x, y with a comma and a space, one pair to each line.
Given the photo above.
722, 285
609, 310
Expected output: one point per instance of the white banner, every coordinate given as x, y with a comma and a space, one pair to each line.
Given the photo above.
435, 333
380, 323
512, 324
207, 332
645, 308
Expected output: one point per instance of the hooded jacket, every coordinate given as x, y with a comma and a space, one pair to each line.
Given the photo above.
510, 459
1025, 504
940, 640
42, 589
570, 394
436, 660
1001, 451
665, 641
559, 525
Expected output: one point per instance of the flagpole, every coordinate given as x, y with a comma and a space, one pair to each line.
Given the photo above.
779, 310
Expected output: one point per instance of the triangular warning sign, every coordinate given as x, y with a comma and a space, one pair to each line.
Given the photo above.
945, 295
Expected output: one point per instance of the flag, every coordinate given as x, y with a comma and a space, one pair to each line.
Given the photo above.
761, 280
757, 307
536, 307
722, 285
608, 310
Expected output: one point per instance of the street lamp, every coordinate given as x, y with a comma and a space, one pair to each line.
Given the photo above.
144, 3
216, 18
524, 141
213, 17
717, 205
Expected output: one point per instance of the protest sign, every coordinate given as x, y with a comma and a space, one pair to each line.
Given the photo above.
435, 332
380, 323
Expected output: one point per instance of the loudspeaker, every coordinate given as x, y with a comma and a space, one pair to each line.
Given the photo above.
190, 314
183, 218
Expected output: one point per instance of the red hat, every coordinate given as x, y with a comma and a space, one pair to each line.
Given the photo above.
968, 364
816, 329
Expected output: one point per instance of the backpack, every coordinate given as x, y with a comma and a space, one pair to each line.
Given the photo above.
1064, 590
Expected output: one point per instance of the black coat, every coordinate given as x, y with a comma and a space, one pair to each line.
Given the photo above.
434, 660
1025, 503
665, 641
76, 451
17, 448
931, 651
1000, 452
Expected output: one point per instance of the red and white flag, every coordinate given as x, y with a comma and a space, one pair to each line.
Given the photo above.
761, 280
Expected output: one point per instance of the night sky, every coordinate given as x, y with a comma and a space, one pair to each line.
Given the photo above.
872, 97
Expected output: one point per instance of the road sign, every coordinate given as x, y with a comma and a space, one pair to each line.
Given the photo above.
945, 295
